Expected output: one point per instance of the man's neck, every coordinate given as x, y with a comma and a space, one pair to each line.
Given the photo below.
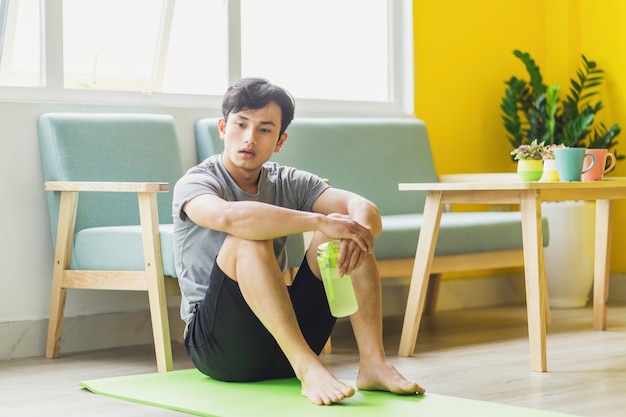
247, 180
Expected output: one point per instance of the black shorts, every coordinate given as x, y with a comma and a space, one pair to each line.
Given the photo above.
226, 340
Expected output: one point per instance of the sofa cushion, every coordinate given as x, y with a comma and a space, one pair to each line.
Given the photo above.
459, 233
119, 248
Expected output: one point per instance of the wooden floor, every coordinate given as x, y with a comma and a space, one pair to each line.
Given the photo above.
478, 354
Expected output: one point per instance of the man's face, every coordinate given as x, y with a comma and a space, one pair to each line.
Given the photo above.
251, 137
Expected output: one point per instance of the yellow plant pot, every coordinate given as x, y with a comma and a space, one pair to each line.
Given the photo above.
530, 169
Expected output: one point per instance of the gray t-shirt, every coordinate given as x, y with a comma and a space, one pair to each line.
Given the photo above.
196, 247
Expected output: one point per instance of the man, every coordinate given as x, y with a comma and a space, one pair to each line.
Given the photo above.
231, 215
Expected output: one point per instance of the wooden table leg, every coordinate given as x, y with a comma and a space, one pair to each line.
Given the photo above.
421, 270
602, 260
535, 278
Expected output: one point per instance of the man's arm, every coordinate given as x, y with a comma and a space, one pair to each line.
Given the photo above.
358, 208
259, 221
336, 202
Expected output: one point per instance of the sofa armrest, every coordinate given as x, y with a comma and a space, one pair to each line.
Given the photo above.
148, 214
145, 187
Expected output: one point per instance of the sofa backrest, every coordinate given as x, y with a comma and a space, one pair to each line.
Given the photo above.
109, 147
368, 156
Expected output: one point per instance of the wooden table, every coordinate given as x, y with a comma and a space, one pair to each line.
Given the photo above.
509, 189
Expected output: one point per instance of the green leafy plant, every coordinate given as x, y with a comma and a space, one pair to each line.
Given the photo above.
532, 110
532, 150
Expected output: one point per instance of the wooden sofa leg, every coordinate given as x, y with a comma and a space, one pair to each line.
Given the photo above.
155, 280
328, 348
55, 323
62, 254
289, 275
180, 334
160, 326
432, 292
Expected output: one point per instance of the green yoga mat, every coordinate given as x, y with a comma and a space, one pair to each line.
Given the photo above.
191, 392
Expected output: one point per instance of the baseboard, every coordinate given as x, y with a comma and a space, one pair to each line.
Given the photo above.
83, 333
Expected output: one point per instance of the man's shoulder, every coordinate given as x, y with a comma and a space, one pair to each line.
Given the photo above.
208, 168
205, 175
210, 164
285, 170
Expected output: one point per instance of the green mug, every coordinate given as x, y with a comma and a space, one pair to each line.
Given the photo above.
569, 163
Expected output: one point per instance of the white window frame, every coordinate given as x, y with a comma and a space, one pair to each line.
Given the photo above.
401, 77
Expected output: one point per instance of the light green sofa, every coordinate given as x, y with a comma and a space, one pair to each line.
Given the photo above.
370, 156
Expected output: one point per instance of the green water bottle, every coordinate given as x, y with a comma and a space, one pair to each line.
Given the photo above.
339, 290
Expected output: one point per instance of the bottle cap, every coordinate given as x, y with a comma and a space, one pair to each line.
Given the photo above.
328, 249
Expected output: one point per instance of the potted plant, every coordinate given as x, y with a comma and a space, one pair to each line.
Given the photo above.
550, 172
532, 110
529, 157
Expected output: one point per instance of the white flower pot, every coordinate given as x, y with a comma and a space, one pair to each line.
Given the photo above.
569, 255
550, 172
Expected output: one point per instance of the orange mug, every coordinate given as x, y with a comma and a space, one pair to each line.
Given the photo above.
597, 171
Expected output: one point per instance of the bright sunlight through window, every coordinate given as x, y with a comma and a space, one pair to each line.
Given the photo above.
338, 50
20, 43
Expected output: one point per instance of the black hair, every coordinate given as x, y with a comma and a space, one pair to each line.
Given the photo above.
256, 93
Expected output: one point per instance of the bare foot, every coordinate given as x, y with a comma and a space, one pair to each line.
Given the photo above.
385, 377
322, 388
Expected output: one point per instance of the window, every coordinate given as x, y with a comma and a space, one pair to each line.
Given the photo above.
353, 51
20, 37
323, 49
146, 45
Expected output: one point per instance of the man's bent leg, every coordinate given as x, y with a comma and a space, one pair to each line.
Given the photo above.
311, 307
375, 372
226, 340
253, 265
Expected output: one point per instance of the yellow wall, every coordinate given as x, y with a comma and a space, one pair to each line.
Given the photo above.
464, 53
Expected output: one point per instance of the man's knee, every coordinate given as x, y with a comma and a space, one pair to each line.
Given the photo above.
236, 245
235, 248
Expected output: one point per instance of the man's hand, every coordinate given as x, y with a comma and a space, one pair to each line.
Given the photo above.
350, 257
356, 241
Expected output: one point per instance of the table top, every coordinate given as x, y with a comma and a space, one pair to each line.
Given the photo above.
508, 181
510, 188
